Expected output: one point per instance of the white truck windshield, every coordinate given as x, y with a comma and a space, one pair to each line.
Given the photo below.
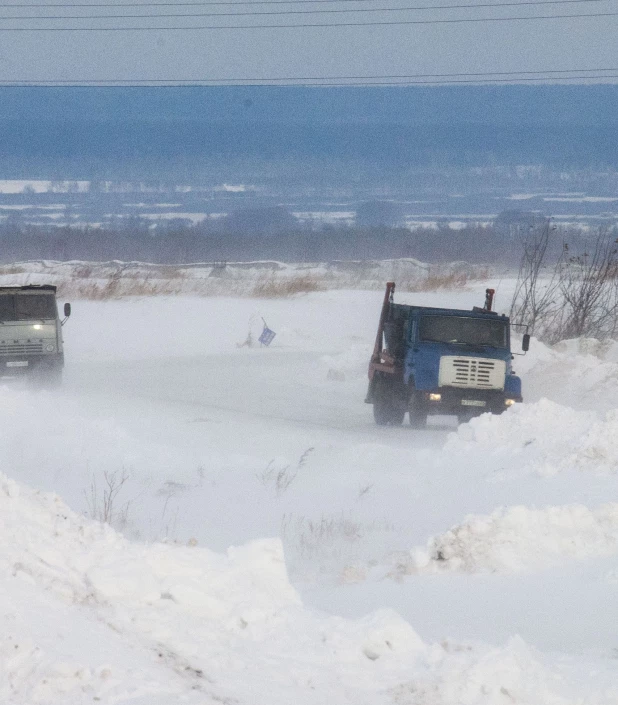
463, 331
26, 307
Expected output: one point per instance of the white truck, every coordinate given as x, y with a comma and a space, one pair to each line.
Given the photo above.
31, 333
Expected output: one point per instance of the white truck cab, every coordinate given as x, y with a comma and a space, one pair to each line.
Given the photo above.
31, 333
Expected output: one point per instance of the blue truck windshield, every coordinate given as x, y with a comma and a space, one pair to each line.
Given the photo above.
26, 307
463, 331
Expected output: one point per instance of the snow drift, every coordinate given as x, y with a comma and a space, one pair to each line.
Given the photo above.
155, 623
514, 539
544, 438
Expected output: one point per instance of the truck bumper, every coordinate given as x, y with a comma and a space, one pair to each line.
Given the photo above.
24, 365
472, 402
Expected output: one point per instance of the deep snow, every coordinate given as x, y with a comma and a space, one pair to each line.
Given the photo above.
273, 451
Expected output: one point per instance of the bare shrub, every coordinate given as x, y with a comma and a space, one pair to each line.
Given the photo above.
536, 298
575, 296
103, 504
589, 288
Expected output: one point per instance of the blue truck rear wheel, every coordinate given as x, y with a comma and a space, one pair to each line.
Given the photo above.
416, 409
388, 408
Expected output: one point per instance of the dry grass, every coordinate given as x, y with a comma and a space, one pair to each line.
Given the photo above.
105, 281
273, 287
11, 269
113, 289
267, 287
445, 281
434, 282
281, 478
312, 537
83, 271
161, 271
103, 505
89, 285
339, 546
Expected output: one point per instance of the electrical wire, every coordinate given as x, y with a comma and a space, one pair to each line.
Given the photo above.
308, 25
182, 4
301, 12
546, 73
361, 81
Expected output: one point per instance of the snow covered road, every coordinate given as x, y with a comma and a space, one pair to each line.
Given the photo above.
212, 444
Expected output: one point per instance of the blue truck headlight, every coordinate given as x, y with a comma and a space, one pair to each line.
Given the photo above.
435, 397
509, 402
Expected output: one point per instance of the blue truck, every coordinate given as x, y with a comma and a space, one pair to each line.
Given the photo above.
441, 361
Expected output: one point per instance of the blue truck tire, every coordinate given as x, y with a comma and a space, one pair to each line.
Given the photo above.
388, 406
417, 410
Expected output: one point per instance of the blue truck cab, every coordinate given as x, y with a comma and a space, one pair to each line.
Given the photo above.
441, 361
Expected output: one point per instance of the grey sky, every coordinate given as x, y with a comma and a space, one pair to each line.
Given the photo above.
514, 46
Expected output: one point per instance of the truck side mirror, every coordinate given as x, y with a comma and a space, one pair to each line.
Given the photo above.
67, 310
525, 343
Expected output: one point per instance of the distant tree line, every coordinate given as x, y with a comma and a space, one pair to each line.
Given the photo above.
233, 240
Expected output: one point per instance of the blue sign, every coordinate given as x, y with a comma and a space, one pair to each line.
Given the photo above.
267, 336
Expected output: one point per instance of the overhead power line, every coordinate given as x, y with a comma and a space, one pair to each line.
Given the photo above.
302, 12
477, 75
462, 20
378, 80
180, 4
364, 84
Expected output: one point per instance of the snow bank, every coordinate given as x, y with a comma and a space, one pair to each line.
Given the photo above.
88, 562
509, 675
515, 539
155, 590
543, 438
266, 278
161, 623
581, 373
538, 438
116, 279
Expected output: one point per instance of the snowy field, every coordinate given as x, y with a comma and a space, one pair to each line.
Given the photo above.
271, 546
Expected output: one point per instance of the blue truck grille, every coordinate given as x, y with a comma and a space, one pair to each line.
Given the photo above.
471, 372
